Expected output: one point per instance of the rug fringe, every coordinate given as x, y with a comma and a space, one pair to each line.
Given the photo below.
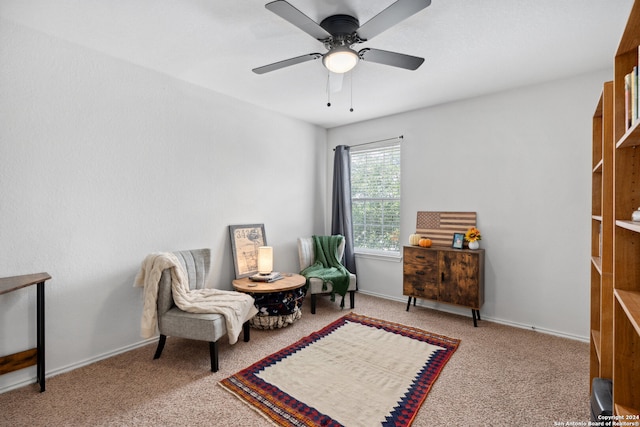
455, 342
255, 409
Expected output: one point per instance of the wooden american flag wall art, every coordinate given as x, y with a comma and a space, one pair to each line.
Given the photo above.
440, 226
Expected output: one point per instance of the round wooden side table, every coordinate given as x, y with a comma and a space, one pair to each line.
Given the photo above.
278, 302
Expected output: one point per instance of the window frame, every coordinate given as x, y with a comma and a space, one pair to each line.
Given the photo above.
379, 146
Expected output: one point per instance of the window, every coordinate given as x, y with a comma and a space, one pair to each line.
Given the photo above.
375, 198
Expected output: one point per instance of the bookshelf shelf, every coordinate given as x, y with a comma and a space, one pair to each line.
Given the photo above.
595, 336
631, 138
630, 302
598, 167
629, 225
626, 411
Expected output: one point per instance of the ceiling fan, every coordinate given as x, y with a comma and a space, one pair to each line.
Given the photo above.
339, 33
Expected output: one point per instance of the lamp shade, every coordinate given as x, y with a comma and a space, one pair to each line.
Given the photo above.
265, 259
340, 59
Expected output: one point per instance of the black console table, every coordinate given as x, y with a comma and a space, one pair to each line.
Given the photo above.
34, 356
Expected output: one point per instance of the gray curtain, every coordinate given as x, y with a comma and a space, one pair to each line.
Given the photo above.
341, 222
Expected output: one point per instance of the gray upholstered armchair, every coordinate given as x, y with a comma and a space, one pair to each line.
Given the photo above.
196, 326
306, 255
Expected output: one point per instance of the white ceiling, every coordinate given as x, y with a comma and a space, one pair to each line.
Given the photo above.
471, 47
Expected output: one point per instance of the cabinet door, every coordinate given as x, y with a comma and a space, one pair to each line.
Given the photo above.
459, 273
420, 273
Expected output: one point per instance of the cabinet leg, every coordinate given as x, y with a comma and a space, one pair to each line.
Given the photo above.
409, 302
473, 313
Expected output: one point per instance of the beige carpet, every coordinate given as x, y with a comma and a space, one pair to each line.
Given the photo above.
499, 376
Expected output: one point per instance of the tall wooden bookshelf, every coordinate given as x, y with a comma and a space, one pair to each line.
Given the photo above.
622, 359
602, 238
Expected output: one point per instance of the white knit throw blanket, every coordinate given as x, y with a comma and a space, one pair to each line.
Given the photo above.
236, 307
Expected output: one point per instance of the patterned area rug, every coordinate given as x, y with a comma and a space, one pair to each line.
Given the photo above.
357, 371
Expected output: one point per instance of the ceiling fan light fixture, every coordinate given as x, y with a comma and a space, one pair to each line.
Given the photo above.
340, 59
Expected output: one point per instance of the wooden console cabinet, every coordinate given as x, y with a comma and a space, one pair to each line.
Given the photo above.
452, 276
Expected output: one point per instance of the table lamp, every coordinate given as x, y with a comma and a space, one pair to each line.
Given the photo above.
265, 260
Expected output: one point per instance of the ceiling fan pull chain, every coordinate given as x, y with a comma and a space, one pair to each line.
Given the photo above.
351, 84
328, 90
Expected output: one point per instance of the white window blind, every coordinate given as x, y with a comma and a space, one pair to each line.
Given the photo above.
375, 197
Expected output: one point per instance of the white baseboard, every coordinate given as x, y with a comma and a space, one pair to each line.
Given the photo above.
71, 367
449, 309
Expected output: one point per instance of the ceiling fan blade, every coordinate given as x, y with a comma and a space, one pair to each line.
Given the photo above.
391, 58
289, 13
286, 63
395, 13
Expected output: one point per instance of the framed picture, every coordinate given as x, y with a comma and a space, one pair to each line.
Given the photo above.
245, 241
458, 240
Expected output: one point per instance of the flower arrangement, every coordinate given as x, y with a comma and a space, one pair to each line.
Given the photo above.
472, 235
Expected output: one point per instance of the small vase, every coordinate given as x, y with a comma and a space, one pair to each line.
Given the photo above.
474, 245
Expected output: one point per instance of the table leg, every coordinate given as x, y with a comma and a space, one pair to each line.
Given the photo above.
40, 335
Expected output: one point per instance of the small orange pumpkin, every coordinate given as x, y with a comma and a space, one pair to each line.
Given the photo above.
425, 242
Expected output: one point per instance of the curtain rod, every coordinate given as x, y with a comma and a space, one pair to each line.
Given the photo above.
373, 142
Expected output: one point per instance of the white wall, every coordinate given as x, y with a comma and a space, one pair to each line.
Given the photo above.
522, 160
103, 162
